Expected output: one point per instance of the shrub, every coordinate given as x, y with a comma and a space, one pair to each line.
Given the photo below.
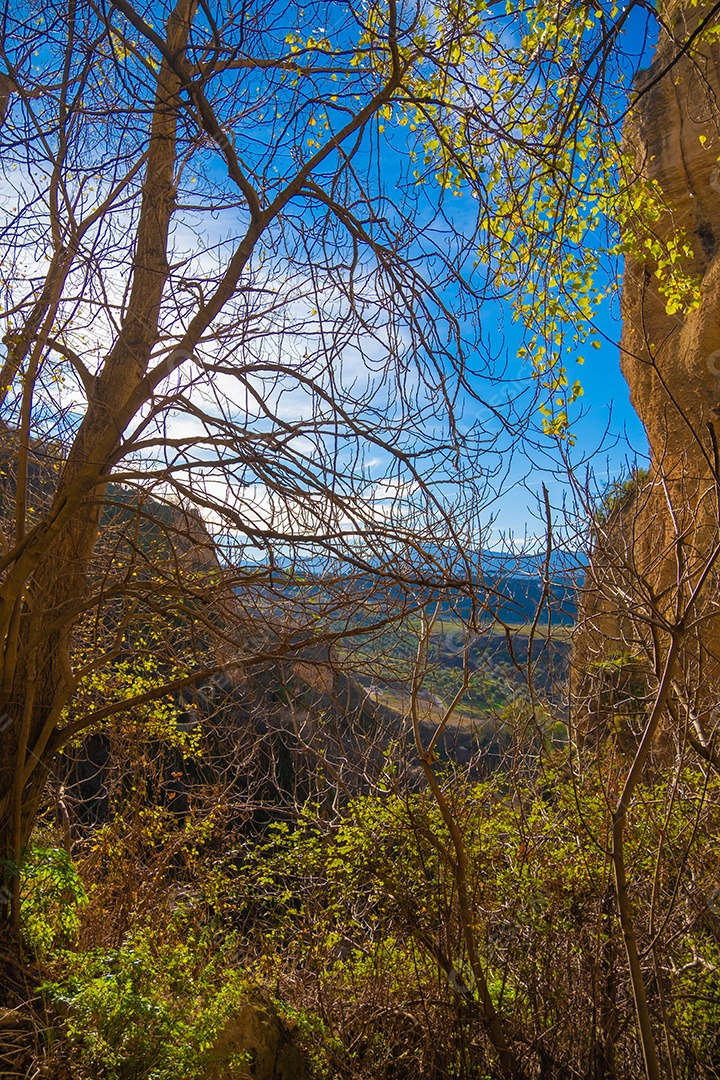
150, 1009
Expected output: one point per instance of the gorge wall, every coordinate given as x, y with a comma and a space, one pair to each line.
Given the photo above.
653, 547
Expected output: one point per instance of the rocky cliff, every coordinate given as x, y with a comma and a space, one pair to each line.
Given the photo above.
653, 574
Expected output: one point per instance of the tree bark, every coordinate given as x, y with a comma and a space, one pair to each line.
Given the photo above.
49, 570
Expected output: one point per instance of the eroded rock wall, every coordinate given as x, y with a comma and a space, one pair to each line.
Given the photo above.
653, 548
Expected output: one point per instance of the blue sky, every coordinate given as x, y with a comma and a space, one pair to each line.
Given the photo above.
609, 440
263, 136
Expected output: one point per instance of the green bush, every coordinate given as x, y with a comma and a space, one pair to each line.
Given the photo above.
52, 896
360, 913
146, 1010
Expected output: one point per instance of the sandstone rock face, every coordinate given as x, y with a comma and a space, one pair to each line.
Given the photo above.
256, 1045
653, 550
672, 361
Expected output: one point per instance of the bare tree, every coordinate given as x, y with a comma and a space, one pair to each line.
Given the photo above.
246, 383
234, 350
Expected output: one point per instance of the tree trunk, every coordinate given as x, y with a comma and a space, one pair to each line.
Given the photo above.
48, 579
